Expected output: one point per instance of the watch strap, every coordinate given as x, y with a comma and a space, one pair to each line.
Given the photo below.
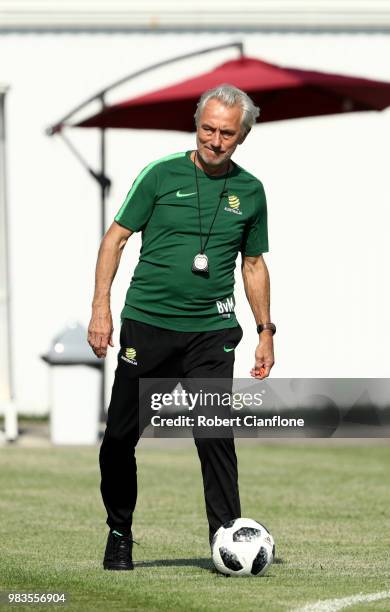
262, 326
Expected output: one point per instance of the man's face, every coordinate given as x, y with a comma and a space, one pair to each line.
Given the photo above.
218, 132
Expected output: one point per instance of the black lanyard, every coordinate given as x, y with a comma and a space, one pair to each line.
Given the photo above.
202, 248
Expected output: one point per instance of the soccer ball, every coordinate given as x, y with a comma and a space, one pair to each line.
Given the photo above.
243, 547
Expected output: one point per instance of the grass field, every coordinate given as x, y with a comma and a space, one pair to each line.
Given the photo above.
327, 507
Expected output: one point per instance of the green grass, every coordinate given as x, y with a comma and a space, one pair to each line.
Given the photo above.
327, 507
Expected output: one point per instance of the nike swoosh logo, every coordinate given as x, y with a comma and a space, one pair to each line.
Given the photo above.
184, 195
227, 349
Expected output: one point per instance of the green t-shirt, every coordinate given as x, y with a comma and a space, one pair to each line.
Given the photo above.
162, 203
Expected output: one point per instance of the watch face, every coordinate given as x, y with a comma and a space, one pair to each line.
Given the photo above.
200, 262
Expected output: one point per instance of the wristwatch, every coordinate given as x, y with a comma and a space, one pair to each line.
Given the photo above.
263, 326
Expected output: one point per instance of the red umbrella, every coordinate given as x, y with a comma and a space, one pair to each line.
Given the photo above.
281, 93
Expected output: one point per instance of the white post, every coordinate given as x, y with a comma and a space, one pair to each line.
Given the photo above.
6, 391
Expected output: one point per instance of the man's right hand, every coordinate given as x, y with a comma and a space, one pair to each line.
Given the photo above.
100, 331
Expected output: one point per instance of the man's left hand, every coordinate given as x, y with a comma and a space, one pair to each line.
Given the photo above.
264, 357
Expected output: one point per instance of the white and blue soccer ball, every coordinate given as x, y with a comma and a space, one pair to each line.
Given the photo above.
243, 547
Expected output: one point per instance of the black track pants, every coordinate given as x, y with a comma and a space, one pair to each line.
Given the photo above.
162, 353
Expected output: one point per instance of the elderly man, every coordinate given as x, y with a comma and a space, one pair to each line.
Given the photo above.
196, 210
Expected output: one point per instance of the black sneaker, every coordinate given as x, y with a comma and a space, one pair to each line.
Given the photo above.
118, 554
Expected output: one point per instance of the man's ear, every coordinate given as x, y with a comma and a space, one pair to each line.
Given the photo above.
243, 136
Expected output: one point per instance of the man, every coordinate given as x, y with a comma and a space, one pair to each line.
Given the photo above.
196, 211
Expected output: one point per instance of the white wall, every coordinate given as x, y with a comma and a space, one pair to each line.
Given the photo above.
325, 179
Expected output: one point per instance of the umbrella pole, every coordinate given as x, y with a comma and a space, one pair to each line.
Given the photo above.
103, 186
103, 190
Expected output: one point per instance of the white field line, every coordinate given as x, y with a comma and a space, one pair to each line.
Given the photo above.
332, 605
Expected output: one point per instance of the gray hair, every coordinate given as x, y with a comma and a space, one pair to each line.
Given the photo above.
230, 96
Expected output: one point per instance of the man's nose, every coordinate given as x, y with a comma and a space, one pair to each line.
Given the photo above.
216, 139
